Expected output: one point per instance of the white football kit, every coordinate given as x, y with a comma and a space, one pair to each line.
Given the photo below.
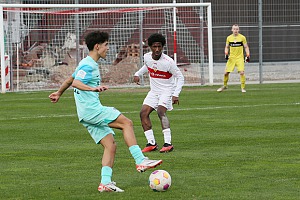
166, 80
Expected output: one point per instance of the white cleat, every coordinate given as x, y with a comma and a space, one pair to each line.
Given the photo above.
243, 90
221, 89
147, 164
109, 187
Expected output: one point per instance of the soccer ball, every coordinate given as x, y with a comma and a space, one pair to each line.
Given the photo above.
160, 180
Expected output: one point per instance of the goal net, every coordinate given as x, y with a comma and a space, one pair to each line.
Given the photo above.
44, 43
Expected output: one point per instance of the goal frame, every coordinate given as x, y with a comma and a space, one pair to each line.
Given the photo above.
170, 5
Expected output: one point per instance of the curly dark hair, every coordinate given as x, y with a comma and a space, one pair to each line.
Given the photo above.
156, 37
95, 37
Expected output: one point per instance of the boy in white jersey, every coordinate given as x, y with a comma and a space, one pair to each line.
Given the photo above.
166, 81
98, 119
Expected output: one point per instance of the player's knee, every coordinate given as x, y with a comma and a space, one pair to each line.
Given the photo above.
124, 123
242, 72
113, 148
162, 115
143, 114
128, 122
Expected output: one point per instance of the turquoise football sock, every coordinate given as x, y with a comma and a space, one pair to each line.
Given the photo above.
137, 154
106, 174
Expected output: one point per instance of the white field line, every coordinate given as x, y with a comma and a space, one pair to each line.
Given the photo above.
114, 94
130, 112
37, 117
239, 106
32, 99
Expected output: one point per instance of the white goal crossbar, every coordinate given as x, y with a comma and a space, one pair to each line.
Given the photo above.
136, 7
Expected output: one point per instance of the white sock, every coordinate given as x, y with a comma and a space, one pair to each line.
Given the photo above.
167, 135
150, 136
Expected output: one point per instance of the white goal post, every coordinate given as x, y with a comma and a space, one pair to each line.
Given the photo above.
45, 41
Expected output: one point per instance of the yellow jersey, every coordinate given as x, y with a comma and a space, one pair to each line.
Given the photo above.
236, 45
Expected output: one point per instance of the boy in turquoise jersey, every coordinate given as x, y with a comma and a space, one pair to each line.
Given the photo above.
98, 119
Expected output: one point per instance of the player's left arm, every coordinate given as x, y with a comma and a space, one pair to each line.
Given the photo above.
82, 77
81, 86
179, 83
247, 50
54, 97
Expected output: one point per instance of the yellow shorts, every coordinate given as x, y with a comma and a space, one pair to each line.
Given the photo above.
232, 63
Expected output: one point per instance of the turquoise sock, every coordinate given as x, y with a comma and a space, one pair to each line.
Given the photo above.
106, 174
137, 154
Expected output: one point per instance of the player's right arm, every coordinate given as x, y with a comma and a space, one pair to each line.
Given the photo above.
54, 97
136, 77
226, 51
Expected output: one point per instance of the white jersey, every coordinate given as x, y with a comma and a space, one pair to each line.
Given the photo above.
164, 74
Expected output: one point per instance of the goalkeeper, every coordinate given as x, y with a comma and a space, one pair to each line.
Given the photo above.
235, 45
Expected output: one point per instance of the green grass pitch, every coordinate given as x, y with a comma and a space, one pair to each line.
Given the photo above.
228, 145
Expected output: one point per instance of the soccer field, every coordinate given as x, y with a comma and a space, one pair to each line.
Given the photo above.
227, 145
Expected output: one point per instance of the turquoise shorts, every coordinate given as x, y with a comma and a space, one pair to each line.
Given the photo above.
98, 126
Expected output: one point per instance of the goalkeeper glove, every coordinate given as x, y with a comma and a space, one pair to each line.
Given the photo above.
226, 57
247, 59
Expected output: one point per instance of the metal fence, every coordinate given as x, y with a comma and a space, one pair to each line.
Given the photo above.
279, 42
281, 24
42, 41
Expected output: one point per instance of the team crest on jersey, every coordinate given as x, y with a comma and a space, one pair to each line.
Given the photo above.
154, 67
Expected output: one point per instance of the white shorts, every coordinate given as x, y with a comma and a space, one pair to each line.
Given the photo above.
154, 100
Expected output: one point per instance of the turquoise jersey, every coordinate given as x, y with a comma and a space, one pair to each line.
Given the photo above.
87, 103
